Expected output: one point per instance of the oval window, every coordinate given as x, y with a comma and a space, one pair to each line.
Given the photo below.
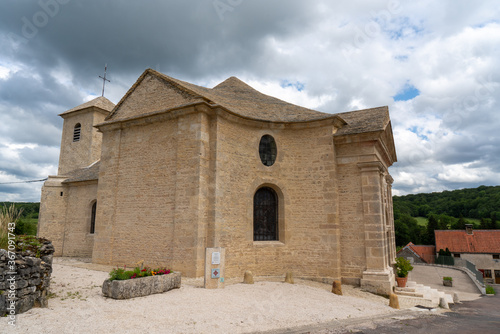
267, 150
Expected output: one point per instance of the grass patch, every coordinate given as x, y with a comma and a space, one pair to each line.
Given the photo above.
8, 216
422, 221
490, 290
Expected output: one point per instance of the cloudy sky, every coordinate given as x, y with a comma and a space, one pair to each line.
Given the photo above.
434, 63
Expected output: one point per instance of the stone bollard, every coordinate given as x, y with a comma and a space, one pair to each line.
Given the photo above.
456, 300
443, 303
289, 277
337, 287
248, 278
394, 301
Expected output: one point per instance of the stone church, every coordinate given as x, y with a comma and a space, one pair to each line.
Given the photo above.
175, 168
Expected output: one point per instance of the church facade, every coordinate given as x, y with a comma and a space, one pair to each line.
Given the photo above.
175, 168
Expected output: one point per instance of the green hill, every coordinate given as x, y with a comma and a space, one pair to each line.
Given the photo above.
417, 216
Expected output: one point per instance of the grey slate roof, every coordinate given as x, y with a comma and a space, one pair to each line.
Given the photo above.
238, 97
241, 99
366, 120
99, 102
89, 173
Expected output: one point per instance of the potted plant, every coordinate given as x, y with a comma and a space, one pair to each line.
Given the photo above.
447, 281
403, 266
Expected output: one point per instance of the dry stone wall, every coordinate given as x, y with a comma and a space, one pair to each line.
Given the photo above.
30, 282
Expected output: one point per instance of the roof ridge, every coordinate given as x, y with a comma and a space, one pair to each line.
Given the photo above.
100, 102
175, 82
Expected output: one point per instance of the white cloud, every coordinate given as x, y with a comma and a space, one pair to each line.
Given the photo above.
348, 55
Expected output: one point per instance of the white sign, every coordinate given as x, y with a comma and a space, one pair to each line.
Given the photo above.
216, 258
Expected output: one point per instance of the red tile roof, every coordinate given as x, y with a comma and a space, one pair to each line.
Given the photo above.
425, 252
458, 241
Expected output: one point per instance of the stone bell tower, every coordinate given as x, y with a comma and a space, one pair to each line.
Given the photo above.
81, 142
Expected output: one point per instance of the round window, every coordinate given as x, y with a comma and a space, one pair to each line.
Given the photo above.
267, 150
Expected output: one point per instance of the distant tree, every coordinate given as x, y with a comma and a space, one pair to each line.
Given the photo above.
460, 223
485, 224
402, 233
406, 230
445, 257
432, 225
478, 203
445, 222
494, 220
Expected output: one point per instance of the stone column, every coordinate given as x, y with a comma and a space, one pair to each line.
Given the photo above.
378, 276
390, 221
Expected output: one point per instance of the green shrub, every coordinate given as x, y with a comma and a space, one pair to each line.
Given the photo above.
403, 266
26, 226
490, 290
447, 278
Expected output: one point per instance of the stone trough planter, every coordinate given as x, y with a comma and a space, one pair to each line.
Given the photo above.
447, 283
143, 286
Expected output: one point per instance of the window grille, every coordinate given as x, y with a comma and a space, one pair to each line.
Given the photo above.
265, 215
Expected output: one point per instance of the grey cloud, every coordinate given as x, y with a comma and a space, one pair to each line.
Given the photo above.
188, 40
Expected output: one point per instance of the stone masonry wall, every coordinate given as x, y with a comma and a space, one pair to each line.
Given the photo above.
87, 150
31, 281
78, 241
303, 177
52, 216
136, 196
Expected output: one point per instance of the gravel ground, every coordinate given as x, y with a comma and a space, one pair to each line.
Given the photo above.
77, 306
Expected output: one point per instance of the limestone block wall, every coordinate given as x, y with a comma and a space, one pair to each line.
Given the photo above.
52, 214
87, 150
31, 282
366, 218
78, 241
137, 193
352, 233
303, 177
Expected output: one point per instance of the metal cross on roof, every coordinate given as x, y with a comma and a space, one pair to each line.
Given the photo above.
104, 78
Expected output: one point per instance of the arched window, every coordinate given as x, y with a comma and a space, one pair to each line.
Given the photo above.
77, 131
267, 150
265, 215
92, 218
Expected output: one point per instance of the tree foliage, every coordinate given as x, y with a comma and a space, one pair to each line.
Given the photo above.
29, 210
445, 210
480, 202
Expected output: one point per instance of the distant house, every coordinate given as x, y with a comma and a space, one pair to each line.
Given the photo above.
480, 247
418, 253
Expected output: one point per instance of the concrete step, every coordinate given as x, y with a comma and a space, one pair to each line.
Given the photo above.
410, 294
418, 294
408, 302
405, 289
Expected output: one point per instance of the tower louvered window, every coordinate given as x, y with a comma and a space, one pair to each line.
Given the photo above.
77, 132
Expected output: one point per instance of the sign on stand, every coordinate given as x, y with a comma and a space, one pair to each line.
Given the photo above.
214, 268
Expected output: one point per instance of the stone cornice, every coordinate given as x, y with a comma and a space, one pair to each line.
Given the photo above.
215, 109
372, 166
